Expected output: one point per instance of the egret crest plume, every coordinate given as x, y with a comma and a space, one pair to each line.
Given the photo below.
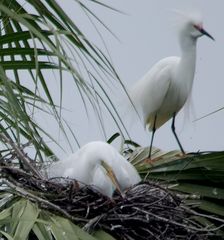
183, 17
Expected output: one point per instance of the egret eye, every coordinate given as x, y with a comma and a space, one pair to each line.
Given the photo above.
199, 27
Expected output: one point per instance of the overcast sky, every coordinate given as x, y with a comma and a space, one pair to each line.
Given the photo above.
147, 34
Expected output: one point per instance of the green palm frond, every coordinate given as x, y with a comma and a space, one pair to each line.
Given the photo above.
36, 36
198, 176
23, 219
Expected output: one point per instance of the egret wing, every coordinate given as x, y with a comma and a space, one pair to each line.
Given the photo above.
149, 93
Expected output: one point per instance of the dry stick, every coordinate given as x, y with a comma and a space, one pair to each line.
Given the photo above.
175, 223
92, 222
23, 193
21, 155
202, 215
16, 171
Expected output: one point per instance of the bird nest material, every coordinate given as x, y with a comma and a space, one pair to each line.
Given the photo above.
148, 210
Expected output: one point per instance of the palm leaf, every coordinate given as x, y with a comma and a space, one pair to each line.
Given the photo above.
200, 176
37, 36
23, 219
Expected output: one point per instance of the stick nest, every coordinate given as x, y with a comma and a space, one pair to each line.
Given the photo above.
148, 211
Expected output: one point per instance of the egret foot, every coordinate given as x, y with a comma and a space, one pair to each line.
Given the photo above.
194, 153
152, 160
181, 155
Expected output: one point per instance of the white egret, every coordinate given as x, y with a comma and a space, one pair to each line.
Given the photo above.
89, 165
163, 91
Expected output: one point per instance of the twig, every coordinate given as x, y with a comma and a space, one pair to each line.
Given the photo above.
175, 223
15, 171
203, 215
92, 222
21, 155
32, 197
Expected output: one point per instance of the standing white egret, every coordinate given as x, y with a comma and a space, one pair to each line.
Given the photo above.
163, 91
90, 165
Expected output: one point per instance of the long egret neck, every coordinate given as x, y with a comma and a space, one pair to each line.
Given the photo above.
86, 169
186, 67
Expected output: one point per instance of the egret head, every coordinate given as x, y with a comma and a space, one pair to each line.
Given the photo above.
200, 31
191, 25
196, 30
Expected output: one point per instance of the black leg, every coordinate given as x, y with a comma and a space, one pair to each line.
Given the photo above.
153, 133
175, 135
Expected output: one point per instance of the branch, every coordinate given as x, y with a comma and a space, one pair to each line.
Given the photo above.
20, 155
21, 192
177, 223
203, 215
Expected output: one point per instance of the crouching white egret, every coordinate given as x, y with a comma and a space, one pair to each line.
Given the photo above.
163, 91
98, 164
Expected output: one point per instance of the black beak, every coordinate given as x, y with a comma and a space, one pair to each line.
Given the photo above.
206, 33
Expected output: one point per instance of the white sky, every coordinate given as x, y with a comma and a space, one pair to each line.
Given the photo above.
147, 35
